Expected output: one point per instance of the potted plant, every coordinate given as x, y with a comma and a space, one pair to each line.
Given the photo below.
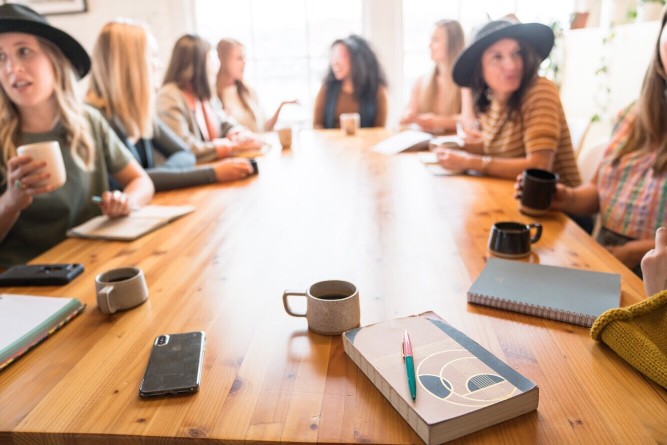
649, 10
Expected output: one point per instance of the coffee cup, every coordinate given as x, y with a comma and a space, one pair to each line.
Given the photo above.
50, 153
332, 307
537, 190
510, 239
120, 289
349, 123
285, 137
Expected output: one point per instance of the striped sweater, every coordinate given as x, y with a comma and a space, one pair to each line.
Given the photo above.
540, 125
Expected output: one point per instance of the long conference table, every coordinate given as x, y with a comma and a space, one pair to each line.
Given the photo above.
328, 208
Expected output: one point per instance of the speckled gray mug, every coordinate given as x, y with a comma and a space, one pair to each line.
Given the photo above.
332, 307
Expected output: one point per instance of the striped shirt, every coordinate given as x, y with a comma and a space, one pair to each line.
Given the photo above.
633, 198
540, 125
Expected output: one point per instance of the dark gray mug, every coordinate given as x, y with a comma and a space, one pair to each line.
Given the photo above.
510, 239
537, 190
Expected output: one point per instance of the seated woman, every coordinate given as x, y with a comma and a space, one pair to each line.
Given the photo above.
522, 120
121, 47
187, 106
39, 67
629, 190
436, 99
238, 99
355, 83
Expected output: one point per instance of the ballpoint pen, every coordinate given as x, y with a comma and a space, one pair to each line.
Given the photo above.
409, 364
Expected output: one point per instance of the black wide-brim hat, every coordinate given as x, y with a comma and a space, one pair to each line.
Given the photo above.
539, 36
20, 18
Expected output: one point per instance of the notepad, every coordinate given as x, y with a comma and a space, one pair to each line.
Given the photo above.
559, 293
403, 141
137, 224
461, 387
27, 320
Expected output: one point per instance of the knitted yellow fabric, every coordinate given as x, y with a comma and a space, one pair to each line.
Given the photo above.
638, 333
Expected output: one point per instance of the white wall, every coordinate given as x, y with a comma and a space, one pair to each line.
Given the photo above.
168, 19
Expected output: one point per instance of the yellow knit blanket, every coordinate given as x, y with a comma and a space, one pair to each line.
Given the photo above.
638, 333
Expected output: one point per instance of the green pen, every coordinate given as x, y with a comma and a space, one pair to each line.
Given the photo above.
409, 364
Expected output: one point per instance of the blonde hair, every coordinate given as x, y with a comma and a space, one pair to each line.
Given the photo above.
224, 49
650, 129
455, 42
70, 113
120, 83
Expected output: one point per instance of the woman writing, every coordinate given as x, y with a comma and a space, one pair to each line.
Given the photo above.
355, 83
436, 99
238, 99
187, 106
522, 120
39, 67
121, 47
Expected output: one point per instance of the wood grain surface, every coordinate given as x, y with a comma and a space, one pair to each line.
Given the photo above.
329, 208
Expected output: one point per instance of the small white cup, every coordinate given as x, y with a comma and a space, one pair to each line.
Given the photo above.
120, 289
349, 123
285, 137
50, 153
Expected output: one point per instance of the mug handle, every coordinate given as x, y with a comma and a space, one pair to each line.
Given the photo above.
538, 232
106, 292
288, 309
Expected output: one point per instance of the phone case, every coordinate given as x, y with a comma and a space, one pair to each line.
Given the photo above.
40, 274
174, 366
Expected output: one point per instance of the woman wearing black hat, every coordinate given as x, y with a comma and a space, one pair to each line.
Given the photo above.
522, 119
39, 66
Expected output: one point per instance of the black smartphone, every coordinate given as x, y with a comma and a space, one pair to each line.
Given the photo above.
175, 365
40, 274
253, 164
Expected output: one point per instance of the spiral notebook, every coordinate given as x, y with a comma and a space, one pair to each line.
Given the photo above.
559, 293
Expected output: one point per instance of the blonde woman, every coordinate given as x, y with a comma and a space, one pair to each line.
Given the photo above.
436, 99
39, 66
238, 99
185, 103
125, 46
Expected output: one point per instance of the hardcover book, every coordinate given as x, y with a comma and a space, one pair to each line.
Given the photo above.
27, 320
461, 387
128, 228
559, 293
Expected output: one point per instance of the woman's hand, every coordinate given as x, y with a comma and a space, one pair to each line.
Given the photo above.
654, 264
560, 200
429, 122
452, 159
115, 204
24, 180
232, 169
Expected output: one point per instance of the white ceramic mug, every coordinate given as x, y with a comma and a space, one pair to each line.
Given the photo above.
50, 153
120, 289
332, 307
349, 123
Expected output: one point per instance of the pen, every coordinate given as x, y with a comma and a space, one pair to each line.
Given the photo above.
409, 364
95, 199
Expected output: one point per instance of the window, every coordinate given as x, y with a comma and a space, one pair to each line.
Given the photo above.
287, 44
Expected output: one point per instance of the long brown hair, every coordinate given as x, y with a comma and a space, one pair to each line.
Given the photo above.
650, 128
455, 42
225, 47
187, 66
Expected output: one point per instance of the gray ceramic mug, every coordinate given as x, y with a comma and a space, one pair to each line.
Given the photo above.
332, 307
119, 289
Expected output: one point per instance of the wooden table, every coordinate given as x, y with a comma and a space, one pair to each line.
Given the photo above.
328, 208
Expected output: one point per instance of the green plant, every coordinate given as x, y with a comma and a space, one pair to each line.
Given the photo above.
662, 2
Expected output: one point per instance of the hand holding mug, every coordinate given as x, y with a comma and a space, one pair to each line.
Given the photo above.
25, 177
562, 196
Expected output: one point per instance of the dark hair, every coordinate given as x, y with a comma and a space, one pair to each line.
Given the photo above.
480, 90
365, 70
187, 66
649, 129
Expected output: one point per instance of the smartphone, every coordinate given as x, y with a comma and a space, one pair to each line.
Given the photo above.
253, 164
175, 365
40, 274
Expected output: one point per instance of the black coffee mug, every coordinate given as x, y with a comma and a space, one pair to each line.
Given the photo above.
537, 190
512, 239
